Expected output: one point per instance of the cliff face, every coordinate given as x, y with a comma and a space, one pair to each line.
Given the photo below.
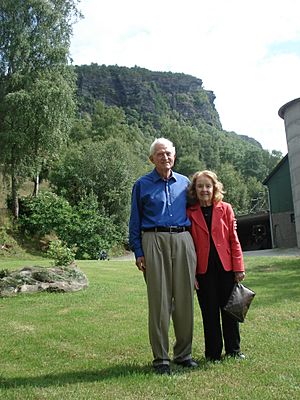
150, 94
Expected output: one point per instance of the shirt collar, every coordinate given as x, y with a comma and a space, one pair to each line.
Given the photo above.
157, 177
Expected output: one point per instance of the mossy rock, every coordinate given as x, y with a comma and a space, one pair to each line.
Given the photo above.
39, 279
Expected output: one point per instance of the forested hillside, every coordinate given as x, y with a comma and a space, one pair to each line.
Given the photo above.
120, 112
137, 105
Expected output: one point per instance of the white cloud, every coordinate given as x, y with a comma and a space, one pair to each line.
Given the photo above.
228, 44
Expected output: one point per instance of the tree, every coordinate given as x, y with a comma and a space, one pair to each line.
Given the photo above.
188, 165
209, 152
236, 192
37, 85
257, 194
108, 122
253, 164
106, 169
81, 227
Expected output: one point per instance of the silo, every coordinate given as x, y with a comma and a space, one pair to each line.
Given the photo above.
290, 113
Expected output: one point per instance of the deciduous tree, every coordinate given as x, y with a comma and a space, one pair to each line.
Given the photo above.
36, 84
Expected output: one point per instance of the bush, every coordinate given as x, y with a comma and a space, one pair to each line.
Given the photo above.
44, 214
91, 231
61, 254
82, 227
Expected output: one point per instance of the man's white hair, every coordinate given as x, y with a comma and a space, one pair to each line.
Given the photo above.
166, 142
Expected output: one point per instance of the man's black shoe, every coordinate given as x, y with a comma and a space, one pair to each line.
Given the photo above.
190, 363
162, 369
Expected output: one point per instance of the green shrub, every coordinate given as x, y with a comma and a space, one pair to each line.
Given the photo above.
82, 227
44, 214
61, 254
91, 231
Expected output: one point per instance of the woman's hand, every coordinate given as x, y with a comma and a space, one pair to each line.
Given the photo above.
239, 276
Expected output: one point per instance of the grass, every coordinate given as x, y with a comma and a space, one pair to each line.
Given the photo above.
93, 344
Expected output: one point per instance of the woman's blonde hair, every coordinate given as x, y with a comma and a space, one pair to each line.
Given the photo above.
217, 186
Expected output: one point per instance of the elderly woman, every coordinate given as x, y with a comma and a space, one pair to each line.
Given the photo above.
219, 263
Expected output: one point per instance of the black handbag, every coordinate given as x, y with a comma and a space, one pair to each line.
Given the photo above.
239, 302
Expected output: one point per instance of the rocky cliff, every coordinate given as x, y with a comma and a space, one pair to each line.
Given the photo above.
149, 94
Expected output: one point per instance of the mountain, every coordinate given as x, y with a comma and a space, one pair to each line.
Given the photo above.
150, 94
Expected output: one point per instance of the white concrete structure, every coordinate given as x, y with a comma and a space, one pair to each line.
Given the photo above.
290, 112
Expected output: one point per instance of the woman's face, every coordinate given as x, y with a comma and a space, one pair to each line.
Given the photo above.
204, 190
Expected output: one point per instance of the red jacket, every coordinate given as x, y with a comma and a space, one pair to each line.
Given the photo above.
223, 234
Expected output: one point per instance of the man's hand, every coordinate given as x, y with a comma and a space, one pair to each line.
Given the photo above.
140, 263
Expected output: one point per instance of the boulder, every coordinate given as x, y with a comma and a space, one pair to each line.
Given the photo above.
40, 279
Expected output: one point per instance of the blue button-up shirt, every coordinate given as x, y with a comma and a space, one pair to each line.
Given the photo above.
156, 202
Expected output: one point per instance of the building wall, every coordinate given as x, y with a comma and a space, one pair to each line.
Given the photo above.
284, 230
281, 206
280, 190
290, 112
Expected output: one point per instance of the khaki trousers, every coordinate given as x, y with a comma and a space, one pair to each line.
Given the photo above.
170, 275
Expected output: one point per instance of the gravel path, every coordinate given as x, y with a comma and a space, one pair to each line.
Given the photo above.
295, 251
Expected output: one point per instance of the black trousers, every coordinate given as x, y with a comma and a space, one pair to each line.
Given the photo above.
215, 287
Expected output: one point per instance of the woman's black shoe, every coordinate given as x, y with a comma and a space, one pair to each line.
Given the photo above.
238, 356
190, 363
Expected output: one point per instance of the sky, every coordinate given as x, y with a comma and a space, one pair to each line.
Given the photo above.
246, 51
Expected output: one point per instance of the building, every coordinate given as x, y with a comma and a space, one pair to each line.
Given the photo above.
254, 231
281, 214
282, 229
290, 113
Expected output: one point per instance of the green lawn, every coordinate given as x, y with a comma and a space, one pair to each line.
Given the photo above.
93, 344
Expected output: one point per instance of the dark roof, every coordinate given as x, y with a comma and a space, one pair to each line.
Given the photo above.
252, 218
278, 166
282, 109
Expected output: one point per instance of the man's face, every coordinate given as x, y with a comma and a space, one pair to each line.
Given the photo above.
163, 157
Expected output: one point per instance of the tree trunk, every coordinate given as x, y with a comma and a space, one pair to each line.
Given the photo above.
14, 197
36, 185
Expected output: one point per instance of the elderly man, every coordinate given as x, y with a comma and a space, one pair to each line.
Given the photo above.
164, 250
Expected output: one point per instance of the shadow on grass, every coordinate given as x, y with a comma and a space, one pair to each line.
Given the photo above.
72, 377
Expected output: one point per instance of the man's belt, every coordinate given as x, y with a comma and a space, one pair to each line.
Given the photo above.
169, 229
